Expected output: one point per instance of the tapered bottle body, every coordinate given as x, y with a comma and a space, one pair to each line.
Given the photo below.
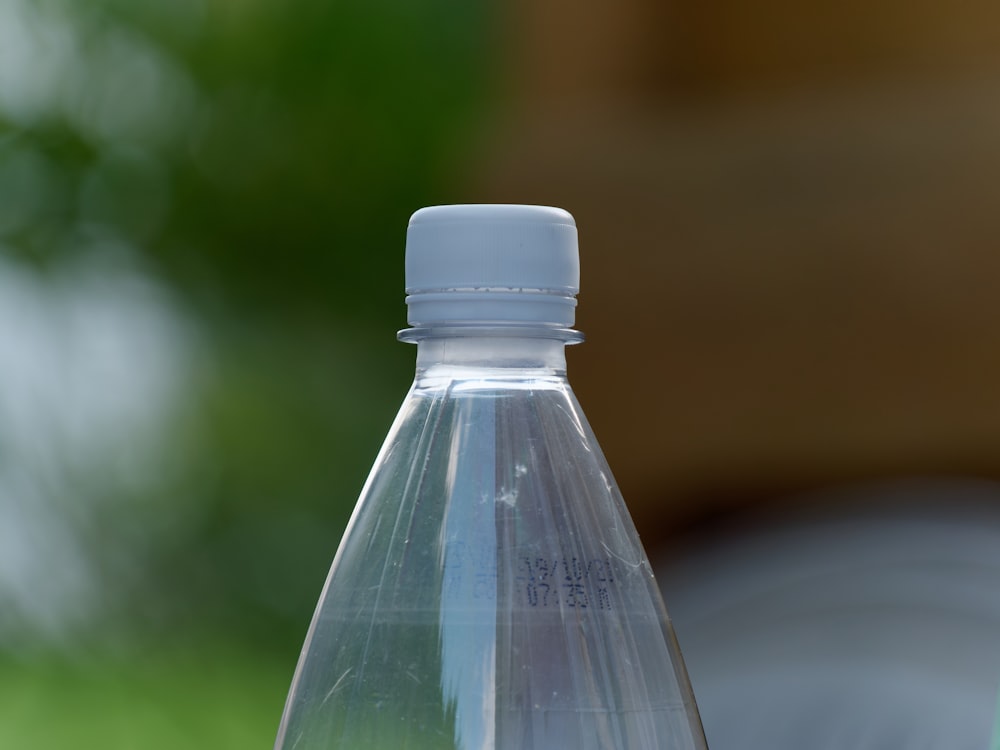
491, 592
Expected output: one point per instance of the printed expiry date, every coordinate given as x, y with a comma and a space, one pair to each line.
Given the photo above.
538, 580
569, 581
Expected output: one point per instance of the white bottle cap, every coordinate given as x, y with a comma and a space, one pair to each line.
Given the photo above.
494, 264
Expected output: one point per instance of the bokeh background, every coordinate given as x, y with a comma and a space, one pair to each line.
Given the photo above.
791, 246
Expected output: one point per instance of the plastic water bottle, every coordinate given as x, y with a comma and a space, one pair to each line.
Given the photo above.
490, 592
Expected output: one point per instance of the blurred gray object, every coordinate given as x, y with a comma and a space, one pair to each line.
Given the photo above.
875, 624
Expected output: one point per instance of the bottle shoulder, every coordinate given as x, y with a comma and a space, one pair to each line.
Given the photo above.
445, 380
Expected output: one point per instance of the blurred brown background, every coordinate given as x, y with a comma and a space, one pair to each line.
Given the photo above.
790, 235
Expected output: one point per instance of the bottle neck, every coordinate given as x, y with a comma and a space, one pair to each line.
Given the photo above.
507, 349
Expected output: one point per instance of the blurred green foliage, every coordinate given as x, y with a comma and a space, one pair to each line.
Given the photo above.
214, 701
259, 160
284, 151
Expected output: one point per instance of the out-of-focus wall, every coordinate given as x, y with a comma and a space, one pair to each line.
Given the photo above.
789, 235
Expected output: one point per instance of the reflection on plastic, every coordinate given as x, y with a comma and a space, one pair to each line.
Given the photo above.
491, 591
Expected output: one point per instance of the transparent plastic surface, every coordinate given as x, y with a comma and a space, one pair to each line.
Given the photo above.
490, 592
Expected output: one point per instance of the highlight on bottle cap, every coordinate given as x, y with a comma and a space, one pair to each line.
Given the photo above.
492, 264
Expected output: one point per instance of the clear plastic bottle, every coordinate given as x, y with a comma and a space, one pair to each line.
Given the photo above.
490, 592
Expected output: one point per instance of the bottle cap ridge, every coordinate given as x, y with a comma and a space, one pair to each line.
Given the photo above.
483, 263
